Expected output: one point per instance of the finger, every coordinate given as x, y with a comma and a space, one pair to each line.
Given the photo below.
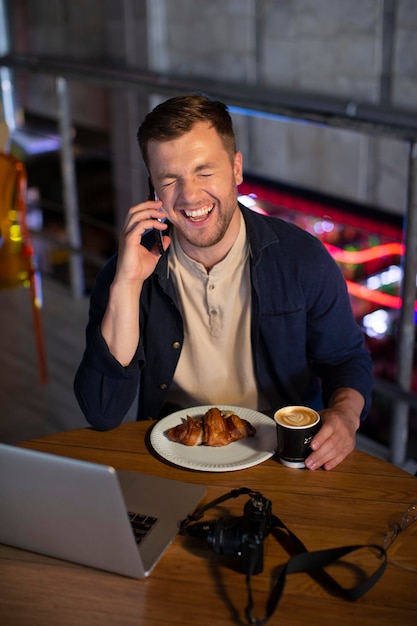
152, 209
166, 242
326, 431
331, 453
323, 450
140, 224
317, 459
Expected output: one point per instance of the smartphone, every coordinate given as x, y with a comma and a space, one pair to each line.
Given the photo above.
158, 233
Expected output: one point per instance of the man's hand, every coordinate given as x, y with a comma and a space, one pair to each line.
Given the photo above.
134, 262
120, 324
336, 438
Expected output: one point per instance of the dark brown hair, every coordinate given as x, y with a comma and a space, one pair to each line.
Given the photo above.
177, 116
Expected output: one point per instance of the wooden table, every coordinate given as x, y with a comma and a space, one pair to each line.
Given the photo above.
191, 585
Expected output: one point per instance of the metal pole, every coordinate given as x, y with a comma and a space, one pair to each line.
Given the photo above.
70, 190
406, 330
6, 82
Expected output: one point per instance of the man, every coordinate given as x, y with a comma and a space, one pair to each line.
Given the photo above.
241, 309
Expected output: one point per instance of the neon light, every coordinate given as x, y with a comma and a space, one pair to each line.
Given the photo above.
353, 257
384, 299
369, 254
289, 200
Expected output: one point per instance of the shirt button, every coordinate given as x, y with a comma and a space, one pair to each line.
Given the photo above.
163, 386
211, 287
176, 345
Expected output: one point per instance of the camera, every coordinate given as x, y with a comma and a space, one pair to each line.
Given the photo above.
240, 536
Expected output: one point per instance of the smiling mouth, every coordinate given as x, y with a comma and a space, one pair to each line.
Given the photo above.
198, 215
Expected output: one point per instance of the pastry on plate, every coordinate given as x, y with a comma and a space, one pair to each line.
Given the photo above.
216, 428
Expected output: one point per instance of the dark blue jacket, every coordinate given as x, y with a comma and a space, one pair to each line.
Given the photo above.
305, 341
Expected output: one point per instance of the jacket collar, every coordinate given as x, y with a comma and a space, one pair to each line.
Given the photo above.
259, 232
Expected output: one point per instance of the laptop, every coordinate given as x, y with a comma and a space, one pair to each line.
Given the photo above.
88, 513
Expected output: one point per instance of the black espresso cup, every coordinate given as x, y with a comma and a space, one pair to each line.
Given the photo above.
296, 427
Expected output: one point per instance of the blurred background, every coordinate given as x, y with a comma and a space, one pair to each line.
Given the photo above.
323, 95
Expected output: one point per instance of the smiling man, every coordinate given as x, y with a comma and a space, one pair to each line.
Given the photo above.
241, 309
196, 179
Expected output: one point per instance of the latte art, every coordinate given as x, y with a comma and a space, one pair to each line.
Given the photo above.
296, 428
296, 416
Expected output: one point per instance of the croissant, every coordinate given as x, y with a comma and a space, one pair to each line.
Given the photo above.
215, 428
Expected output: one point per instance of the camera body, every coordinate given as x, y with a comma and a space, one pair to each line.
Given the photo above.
243, 536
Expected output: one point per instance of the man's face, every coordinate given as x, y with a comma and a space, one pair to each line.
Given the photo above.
196, 179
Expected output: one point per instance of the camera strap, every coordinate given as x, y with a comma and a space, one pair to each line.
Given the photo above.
198, 514
314, 561
303, 561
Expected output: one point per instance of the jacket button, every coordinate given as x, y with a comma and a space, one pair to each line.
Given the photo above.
163, 386
176, 345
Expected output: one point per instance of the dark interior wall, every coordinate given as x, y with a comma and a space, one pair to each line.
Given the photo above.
363, 50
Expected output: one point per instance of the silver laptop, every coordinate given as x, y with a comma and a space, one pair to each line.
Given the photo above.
87, 513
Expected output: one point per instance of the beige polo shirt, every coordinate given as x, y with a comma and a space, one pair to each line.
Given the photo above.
215, 366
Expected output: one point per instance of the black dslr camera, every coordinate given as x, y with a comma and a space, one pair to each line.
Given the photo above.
240, 536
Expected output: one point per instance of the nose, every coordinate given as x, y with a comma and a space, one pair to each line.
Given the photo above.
189, 190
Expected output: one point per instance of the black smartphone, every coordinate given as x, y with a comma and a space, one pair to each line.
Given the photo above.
158, 233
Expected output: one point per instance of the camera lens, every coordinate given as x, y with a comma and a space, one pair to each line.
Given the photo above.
225, 536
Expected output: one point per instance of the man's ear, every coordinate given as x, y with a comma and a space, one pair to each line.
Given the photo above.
238, 167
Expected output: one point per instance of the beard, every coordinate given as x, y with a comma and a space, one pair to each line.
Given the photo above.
214, 233
207, 239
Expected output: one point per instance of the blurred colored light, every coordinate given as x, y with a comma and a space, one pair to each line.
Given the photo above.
248, 201
376, 324
15, 234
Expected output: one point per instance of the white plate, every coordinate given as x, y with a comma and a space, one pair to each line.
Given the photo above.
235, 456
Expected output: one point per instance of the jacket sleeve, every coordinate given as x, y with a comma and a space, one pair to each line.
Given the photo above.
308, 342
334, 340
105, 390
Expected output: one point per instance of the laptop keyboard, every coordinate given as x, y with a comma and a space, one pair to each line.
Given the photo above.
141, 525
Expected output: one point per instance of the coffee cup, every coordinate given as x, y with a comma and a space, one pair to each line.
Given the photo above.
296, 427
